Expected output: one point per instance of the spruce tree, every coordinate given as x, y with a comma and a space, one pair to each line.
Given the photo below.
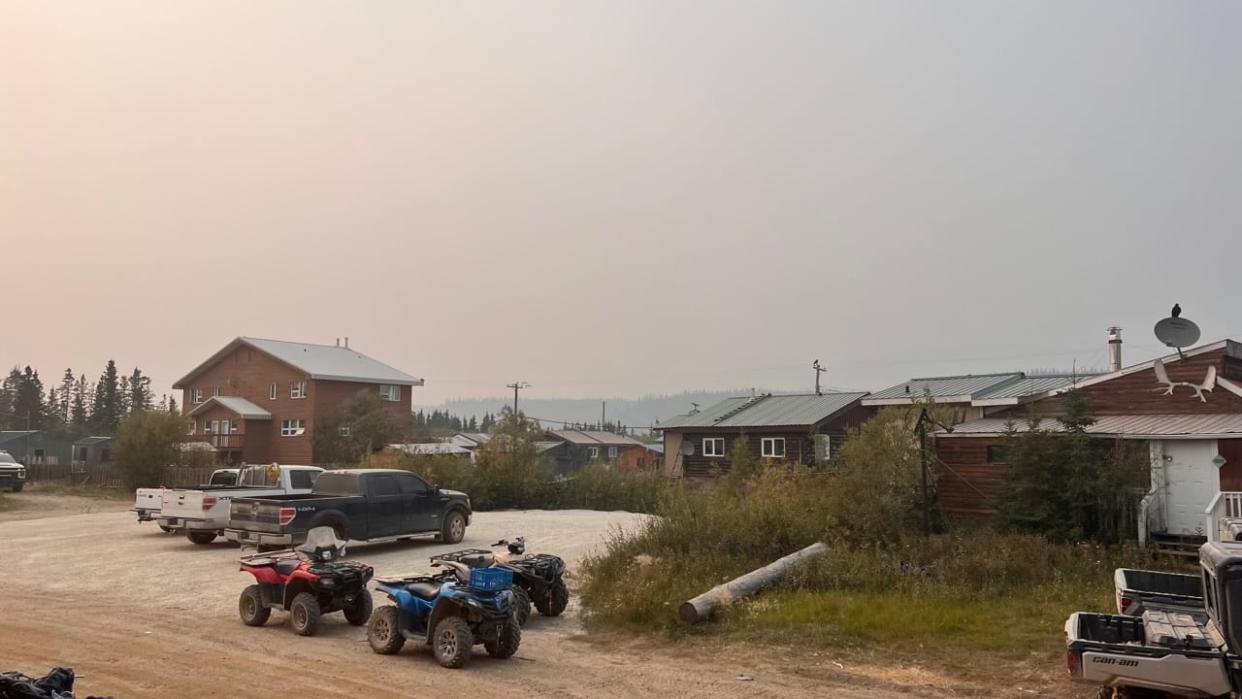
28, 405
139, 392
77, 407
106, 407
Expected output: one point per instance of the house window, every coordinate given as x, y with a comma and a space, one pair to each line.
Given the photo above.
292, 428
297, 389
612, 452
207, 429
193, 426
344, 430
390, 392
772, 447
196, 396
996, 454
593, 451
713, 446
217, 391
271, 392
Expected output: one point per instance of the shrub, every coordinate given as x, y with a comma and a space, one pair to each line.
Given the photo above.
146, 443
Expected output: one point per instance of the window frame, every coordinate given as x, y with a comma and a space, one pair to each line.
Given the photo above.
390, 392
293, 428
271, 391
196, 396
612, 452
714, 453
593, 453
991, 454
297, 389
766, 442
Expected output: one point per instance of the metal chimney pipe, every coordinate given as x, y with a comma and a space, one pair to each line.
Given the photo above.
1114, 349
347, 342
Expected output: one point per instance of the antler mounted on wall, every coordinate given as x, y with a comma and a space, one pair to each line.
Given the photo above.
1162, 377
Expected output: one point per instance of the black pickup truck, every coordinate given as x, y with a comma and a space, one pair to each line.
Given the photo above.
360, 504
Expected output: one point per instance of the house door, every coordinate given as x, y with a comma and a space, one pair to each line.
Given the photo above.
1191, 481
1231, 471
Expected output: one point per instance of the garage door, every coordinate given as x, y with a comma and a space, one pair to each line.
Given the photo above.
1191, 482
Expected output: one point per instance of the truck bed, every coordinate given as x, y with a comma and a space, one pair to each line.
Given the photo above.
1170, 651
1141, 590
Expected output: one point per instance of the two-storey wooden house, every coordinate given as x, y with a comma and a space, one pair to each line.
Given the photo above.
260, 401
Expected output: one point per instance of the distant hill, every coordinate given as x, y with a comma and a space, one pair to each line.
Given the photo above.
635, 413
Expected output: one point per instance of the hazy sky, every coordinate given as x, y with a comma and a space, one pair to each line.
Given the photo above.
618, 198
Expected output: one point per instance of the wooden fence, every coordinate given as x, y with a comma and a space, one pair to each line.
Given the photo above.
107, 475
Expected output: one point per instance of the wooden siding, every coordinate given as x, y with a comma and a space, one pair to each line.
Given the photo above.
970, 485
1141, 394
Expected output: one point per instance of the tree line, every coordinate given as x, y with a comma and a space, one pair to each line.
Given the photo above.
444, 420
76, 406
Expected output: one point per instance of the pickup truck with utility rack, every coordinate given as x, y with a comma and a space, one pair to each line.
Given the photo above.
203, 514
359, 505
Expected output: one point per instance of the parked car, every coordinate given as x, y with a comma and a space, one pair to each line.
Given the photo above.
359, 504
148, 501
203, 514
1141, 590
12, 473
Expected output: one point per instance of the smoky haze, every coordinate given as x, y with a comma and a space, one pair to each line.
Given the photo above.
615, 199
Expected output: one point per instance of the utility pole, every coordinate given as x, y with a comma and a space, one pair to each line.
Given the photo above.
516, 386
818, 370
603, 413
920, 428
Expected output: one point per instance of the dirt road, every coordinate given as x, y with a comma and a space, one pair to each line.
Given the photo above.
138, 613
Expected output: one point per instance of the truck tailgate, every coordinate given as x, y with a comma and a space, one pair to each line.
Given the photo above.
187, 504
148, 499
260, 515
1140, 590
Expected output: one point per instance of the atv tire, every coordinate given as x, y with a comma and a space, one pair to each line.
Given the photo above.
166, 530
453, 530
304, 614
384, 631
506, 644
201, 537
521, 604
251, 608
359, 612
554, 601
451, 641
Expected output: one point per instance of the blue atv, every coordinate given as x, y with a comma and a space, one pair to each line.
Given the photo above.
448, 616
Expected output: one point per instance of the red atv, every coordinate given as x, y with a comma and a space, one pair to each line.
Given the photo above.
307, 581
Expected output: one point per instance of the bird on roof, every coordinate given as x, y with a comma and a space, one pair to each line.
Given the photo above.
1177, 310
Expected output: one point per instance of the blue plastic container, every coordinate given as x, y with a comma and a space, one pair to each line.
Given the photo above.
491, 579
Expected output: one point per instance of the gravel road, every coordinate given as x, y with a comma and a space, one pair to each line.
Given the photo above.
138, 613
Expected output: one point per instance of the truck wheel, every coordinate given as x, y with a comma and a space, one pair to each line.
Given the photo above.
506, 643
384, 631
454, 528
555, 601
200, 536
304, 614
452, 641
359, 611
521, 604
251, 608
18, 488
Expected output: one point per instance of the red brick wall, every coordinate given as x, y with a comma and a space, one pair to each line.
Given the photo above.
249, 373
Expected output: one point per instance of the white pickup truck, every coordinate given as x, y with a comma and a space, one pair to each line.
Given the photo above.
203, 514
12, 474
148, 501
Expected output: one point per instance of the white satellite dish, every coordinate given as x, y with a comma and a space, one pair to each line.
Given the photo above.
1177, 332
687, 448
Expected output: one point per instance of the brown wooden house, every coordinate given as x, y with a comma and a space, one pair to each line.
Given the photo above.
806, 429
1186, 411
260, 401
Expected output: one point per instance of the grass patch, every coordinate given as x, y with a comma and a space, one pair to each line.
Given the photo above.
82, 491
970, 589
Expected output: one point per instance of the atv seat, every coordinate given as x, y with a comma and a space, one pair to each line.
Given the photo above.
423, 589
479, 560
285, 566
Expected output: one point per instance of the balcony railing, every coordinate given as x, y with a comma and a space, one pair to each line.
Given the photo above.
233, 440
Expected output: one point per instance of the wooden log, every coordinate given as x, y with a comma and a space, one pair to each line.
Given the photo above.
700, 608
